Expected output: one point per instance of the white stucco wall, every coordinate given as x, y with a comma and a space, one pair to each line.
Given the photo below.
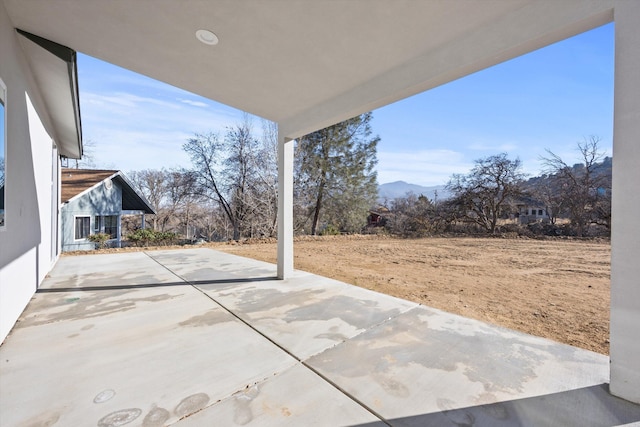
26, 252
625, 231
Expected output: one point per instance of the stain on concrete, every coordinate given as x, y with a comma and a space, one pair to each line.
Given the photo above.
104, 396
47, 308
333, 336
132, 275
119, 418
46, 419
73, 335
459, 417
311, 304
407, 340
156, 417
87, 327
191, 404
496, 410
391, 386
211, 317
356, 312
242, 413
254, 300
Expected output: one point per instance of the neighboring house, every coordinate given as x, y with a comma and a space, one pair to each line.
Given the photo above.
378, 217
532, 212
93, 201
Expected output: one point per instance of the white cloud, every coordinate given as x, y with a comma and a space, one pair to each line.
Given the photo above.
130, 150
134, 132
194, 103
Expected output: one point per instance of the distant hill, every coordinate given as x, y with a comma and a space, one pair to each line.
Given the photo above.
602, 170
393, 190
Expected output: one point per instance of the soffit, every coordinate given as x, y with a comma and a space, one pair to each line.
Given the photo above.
307, 64
132, 200
54, 70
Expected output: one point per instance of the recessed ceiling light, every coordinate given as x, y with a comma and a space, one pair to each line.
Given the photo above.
207, 37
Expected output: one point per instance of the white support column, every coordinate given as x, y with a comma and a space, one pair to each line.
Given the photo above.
119, 231
285, 207
625, 237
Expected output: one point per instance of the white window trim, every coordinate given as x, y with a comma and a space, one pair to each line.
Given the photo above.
84, 239
103, 227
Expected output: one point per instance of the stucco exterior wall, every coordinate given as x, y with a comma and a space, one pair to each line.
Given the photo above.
99, 201
625, 229
27, 249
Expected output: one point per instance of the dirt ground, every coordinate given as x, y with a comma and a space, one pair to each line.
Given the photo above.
558, 289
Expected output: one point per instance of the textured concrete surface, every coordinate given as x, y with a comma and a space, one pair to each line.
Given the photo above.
198, 337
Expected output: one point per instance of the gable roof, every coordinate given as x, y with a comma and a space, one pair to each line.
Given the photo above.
77, 182
307, 64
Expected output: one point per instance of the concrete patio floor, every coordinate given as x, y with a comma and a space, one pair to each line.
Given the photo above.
198, 337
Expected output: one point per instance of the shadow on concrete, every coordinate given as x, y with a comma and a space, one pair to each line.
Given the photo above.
589, 406
156, 285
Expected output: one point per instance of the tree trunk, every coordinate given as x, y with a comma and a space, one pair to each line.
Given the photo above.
316, 213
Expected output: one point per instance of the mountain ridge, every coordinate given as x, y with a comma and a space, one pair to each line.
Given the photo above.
395, 189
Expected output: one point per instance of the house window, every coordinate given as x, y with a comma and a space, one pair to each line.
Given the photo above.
96, 224
83, 227
111, 225
3, 149
540, 212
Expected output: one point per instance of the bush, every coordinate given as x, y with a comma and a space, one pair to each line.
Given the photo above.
100, 239
148, 237
330, 230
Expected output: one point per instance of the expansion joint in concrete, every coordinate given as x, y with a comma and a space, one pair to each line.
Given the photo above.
306, 365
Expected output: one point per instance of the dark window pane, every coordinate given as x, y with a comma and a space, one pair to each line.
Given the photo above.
82, 227
111, 225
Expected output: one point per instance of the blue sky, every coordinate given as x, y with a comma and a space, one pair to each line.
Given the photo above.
551, 98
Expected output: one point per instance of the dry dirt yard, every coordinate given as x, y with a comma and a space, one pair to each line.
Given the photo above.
558, 289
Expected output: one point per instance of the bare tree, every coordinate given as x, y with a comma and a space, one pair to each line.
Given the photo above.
265, 166
88, 160
172, 194
484, 194
582, 190
152, 183
224, 170
181, 196
546, 193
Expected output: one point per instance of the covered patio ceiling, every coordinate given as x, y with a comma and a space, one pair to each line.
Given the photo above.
307, 65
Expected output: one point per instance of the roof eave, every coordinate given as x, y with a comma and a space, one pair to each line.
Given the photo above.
55, 70
147, 208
